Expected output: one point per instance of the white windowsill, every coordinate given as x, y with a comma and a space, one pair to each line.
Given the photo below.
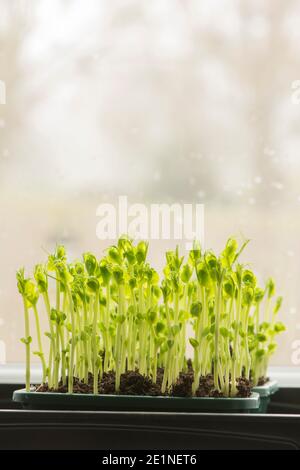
15, 373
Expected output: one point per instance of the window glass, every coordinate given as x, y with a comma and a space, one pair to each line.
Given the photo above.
163, 102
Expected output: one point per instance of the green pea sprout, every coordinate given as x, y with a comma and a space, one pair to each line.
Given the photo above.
206, 314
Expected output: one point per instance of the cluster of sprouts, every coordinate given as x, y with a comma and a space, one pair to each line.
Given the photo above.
114, 314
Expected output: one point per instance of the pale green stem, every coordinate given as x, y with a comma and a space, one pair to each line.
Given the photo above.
235, 344
73, 342
217, 334
52, 341
94, 341
107, 342
40, 346
86, 342
27, 345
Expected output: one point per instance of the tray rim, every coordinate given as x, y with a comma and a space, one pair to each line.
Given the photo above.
268, 389
236, 403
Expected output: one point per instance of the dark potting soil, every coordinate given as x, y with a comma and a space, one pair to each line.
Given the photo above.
206, 387
262, 381
134, 383
159, 375
183, 386
244, 387
131, 383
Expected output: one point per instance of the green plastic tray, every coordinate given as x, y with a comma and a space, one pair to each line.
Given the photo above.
265, 392
268, 389
44, 400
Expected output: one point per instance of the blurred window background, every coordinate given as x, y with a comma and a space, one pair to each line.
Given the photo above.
165, 102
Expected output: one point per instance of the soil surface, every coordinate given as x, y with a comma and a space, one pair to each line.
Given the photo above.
183, 385
262, 381
244, 387
133, 383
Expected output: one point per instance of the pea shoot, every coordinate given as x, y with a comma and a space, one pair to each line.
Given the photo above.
207, 314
